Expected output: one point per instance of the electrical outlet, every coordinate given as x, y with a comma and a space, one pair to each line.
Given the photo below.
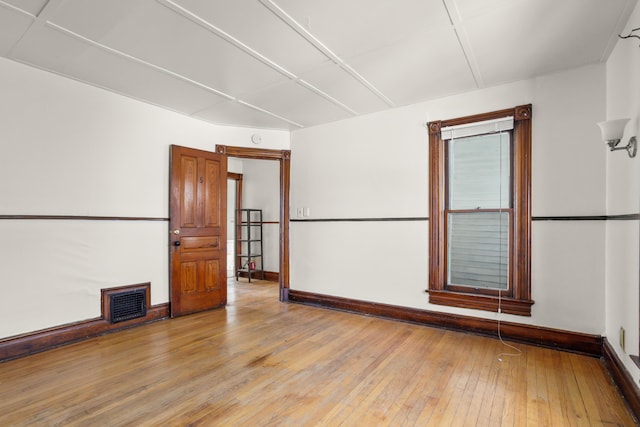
622, 339
300, 212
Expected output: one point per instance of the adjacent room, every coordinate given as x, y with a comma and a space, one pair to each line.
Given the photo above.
304, 212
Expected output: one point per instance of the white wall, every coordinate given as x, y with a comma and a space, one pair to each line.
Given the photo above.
261, 190
73, 149
376, 166
623, 197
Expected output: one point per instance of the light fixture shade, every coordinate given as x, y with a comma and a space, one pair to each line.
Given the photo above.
612, 130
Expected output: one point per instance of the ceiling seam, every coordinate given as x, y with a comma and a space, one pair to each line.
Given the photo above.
255, 107
39, 20
17, 9
164, 70
323, 94
463, 40
49, 8
187, 14
34, 21
126, 95
43, 8
137, 60
315, 42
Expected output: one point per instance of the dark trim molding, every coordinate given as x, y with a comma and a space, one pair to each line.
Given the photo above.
636, 359
545, 337
626, 217
85, 217
420, 218
272, 276
481, 302
570, 218
253, 153
45, 339
518, 291
621, 377
238, 179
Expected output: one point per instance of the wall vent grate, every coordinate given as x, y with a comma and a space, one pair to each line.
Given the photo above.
128, 305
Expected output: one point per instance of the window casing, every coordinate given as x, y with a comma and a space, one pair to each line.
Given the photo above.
470, 229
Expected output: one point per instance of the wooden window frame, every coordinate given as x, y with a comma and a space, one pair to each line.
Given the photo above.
518, 299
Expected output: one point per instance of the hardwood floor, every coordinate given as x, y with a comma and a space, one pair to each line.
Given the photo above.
261, 362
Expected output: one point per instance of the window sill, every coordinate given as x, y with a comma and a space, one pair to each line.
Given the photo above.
481, 302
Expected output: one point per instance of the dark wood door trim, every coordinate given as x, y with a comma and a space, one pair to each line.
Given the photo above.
284, 157
252, 153
237, 177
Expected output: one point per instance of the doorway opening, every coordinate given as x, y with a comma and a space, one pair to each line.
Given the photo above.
283, 157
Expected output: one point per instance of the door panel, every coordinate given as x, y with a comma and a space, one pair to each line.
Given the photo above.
188, 277
212, 275
212, 199
188, 186
194, 243
198, 230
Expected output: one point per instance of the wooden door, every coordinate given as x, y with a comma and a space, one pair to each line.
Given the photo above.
198, 242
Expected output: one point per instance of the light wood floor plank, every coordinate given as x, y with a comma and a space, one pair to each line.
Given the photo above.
259, 362
485, 358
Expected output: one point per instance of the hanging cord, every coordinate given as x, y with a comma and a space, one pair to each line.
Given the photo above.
501, 355
519, 352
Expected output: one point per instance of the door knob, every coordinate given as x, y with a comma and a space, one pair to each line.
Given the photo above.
176, 231
176, 243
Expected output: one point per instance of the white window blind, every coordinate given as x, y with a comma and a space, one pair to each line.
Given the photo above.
477, 128
479, 172
479, 179
478, 251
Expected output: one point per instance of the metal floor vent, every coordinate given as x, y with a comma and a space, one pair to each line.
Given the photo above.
128, 305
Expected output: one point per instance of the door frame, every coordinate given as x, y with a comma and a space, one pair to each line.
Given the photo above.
284, 157
237, 178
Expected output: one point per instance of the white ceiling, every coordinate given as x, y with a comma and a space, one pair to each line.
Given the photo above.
289, 64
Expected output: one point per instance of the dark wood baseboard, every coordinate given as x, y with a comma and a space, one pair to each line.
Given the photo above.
45, 339
272, 276
553, 338
621, 377
35, 342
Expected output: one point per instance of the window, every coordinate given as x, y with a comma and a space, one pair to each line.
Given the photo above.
480, 211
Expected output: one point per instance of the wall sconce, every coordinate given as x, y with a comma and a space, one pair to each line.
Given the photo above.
612, 131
